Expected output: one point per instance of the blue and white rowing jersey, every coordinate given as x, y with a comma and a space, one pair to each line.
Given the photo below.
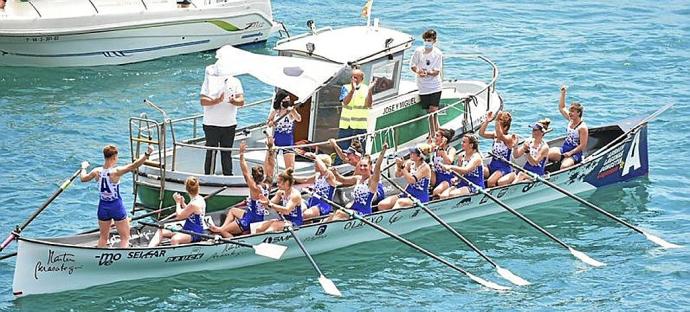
194, 222
255, 210
110, 205
534, 152
441, 174
475, 176
362, 197
420, 188
325, 190
295, 216
109, 191
572, 140
500, 148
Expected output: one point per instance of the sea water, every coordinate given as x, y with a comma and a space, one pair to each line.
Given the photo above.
619, 58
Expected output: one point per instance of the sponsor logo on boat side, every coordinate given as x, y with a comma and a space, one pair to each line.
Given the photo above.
188, 257
528, 187
321, 229
414, 214
145, 254
502, 192
464, 202
632, 159
400, 105
229, 250
613, 163
107, 258
57, 263
277, 239
395, 217
356, 224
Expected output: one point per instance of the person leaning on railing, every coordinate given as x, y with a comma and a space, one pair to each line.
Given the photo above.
356, 99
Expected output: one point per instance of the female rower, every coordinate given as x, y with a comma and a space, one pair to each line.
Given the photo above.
470, 168
417, 173
193, 214
444, 154
287, 202
498, 171
366, 185
352, 154
570, 153
238, 220
535, 149
324, 185
284, 125
110, 206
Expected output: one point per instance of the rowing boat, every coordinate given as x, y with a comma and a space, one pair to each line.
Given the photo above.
396, 116
615, 153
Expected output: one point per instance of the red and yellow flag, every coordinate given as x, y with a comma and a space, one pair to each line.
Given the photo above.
366, 10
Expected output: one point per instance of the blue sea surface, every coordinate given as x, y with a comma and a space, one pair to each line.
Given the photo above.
619, 58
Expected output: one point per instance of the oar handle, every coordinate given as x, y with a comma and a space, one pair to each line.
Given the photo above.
33, 216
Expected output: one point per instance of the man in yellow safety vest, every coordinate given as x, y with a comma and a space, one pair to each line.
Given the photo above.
356, 99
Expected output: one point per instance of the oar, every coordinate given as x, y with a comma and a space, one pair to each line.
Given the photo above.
327, 285
157, 211
505, 273
57, 192
657, 240
473, 277
578, 254
268, 250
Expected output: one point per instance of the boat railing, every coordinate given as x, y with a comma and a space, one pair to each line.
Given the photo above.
467, 103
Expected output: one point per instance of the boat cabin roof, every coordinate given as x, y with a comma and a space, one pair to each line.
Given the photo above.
356, 44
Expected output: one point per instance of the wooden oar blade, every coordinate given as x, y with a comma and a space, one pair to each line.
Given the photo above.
585, 258
272, 251
511, 277
486, 283
329, 287
659, 241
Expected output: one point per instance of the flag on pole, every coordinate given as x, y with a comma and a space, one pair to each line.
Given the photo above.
366, 10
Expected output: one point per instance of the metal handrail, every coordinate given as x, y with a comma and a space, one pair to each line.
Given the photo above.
463, 100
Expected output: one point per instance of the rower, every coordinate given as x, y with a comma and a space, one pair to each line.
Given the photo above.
192, 214
237, 221
367, 184
352, 154
444, 154
110, 206
284, 125
535, 149
470, 168
287, 202
570, 153
498, 171
324, 183
417, 173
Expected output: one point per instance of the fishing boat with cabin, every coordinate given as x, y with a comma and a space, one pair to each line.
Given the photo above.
615, 153
60, 33
313, 67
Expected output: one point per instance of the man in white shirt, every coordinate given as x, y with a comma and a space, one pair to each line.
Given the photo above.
221, 94
427, 63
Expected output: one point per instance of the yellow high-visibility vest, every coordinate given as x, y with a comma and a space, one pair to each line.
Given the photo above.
354, 114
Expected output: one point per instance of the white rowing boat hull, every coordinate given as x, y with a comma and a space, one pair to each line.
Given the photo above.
51, 265
111, 39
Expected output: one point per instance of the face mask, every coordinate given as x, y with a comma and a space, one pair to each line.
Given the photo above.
428, 45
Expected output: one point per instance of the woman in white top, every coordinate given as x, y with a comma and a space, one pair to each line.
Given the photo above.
570, 153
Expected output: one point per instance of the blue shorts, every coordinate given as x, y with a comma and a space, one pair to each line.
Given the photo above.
324, 208
244, 224
498, 165
284, 139
188, 226
111, 210
577, 157
442, 177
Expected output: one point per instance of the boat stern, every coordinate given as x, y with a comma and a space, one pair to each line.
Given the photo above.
621, 162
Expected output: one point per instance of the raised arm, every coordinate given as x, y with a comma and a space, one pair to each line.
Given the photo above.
482, 129
86, 177
343, 180
294, 113
561, 102
337, 149
270, 160
501, 135
121, 170
376, 176
246, 172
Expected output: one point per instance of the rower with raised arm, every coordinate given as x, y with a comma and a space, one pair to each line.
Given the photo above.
287, 202
498, 171
417, 173
535, 149
570, 153
352, 154
110, 206
444, 154
366, 185
284, 126
238, 220
324, 182
470, 168
192, 213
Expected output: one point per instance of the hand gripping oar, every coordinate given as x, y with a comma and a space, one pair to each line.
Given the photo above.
657, 240
57, 192
473, 277
505, 273
272, 251
327, 285
578, 254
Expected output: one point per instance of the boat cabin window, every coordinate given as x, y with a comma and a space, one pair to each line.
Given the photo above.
385, 76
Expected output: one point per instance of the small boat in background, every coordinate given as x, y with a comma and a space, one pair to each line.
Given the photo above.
61, 33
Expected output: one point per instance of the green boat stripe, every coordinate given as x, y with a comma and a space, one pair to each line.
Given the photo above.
224, 25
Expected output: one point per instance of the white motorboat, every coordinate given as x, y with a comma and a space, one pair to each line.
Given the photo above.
57, 33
